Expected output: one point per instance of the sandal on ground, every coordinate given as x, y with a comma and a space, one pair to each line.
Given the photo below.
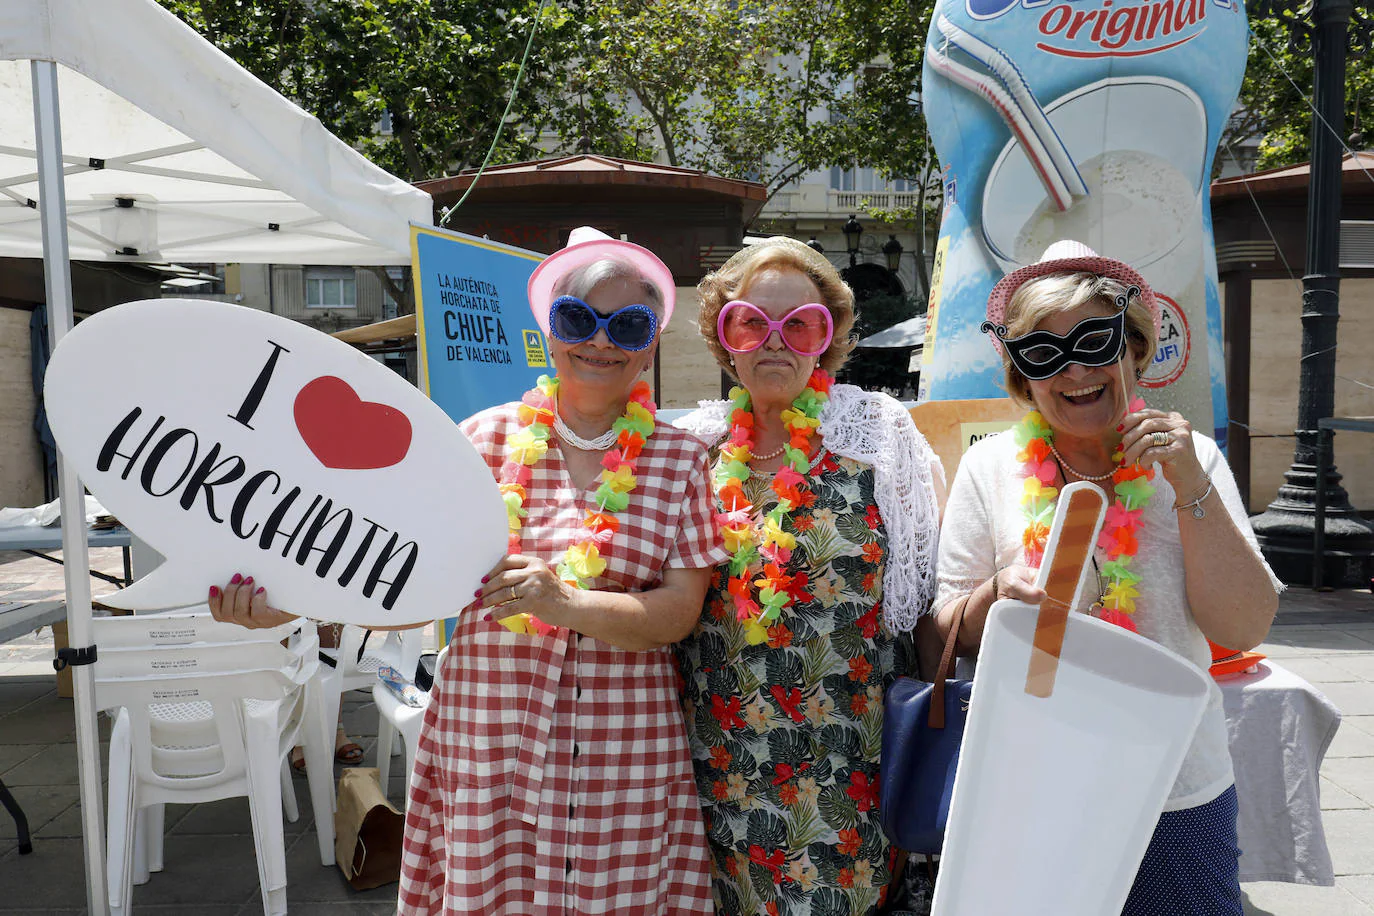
347, 752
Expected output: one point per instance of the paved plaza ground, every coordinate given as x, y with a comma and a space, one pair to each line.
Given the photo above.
1327, 638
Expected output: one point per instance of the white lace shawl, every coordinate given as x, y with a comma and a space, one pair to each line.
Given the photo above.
874, 429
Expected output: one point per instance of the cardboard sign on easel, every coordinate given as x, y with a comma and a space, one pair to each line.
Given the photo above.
952, 426
1076, 732
236, 441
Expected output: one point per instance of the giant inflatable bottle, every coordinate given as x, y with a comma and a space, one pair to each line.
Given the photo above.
1095, 120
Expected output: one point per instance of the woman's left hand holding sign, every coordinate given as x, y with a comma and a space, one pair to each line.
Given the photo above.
243, 602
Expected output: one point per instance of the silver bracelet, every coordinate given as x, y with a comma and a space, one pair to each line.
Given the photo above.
1196, 504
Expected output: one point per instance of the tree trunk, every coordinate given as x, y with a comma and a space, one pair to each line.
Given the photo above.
405, 304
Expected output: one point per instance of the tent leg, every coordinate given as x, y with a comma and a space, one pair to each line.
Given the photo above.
58, 280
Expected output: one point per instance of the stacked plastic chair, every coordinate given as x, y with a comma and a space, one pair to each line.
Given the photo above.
207, 710
395, 718
353, 666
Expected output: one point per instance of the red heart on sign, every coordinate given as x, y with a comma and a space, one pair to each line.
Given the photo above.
346, 432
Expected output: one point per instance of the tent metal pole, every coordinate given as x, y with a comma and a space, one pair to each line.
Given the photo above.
58, 279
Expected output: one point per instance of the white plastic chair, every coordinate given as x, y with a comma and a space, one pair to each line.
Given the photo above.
395, 718
398, 648
207, 711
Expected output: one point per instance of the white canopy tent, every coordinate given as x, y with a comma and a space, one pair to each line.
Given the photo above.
909, 333
148, 144
174, 152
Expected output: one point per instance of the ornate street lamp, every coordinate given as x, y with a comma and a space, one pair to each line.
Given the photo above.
892, 250
852, 230
1285, 530
814, 245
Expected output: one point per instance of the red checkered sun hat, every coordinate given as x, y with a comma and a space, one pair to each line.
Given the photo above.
1067, 256
586, 245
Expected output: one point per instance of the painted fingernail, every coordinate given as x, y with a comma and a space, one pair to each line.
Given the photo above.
486, 579
236, 580
259, 591
1121, 427
477, 594
487, 616
214, 591
248, 581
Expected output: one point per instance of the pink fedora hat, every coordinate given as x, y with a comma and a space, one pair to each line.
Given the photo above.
1067, 256
586, 245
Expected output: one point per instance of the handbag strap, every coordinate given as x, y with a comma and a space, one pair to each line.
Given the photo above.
936, 717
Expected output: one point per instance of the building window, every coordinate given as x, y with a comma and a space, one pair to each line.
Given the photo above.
867, 180
330, 289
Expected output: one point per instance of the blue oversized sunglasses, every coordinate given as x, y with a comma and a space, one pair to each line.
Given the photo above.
630, 328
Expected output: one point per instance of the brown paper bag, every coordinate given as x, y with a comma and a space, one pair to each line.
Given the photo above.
368, 829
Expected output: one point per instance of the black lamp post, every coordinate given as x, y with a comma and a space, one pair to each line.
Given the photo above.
1285, 530
892, 250
852, 230
814, 245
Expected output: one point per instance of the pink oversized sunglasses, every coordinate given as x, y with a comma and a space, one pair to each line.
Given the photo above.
806, 330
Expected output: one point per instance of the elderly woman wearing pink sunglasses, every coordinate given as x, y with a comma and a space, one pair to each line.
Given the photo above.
827, 503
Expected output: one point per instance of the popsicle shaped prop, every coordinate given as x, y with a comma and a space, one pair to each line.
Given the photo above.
233, 440
1076, 730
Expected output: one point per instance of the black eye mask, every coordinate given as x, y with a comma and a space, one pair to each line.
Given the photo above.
1092, 342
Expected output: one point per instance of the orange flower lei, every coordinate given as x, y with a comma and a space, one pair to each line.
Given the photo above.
582, 561
1131, 485
769, 540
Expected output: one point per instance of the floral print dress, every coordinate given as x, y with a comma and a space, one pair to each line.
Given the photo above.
786, 735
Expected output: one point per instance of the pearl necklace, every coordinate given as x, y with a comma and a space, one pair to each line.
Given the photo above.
1075, 471
568, 437
766, 456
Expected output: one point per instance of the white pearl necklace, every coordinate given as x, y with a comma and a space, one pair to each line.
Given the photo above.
568, 437
1075, 471
773, 454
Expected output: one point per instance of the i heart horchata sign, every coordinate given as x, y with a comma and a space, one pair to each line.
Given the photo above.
233, 440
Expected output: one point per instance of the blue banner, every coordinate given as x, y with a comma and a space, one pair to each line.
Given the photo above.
478, 344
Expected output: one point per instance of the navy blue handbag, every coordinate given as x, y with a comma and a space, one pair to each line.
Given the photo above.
923, 726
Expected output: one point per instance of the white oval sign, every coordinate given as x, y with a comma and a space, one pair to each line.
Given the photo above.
233, 440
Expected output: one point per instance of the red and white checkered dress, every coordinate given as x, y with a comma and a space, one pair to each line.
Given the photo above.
553, 773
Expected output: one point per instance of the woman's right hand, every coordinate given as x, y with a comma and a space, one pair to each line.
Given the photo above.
1018, 583
243, 602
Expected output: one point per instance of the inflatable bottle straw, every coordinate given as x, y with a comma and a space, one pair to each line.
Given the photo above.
1075, 734
1095, 121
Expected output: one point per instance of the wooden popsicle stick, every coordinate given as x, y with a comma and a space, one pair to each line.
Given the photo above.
1077, 520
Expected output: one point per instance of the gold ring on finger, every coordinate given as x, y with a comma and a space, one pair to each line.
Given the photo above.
1160, 438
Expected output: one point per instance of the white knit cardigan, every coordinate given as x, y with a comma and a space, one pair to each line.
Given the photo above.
874, 429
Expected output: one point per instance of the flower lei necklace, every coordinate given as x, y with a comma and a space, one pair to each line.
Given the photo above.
1132, 488
748, 542
582, 561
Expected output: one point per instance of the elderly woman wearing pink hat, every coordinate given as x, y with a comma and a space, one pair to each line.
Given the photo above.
553, 772
1176, 561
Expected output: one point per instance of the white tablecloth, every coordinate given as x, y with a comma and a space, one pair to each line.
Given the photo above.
1280, 727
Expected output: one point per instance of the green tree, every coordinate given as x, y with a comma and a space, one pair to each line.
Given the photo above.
1273, 102
760, 89
441, 70
889, 127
